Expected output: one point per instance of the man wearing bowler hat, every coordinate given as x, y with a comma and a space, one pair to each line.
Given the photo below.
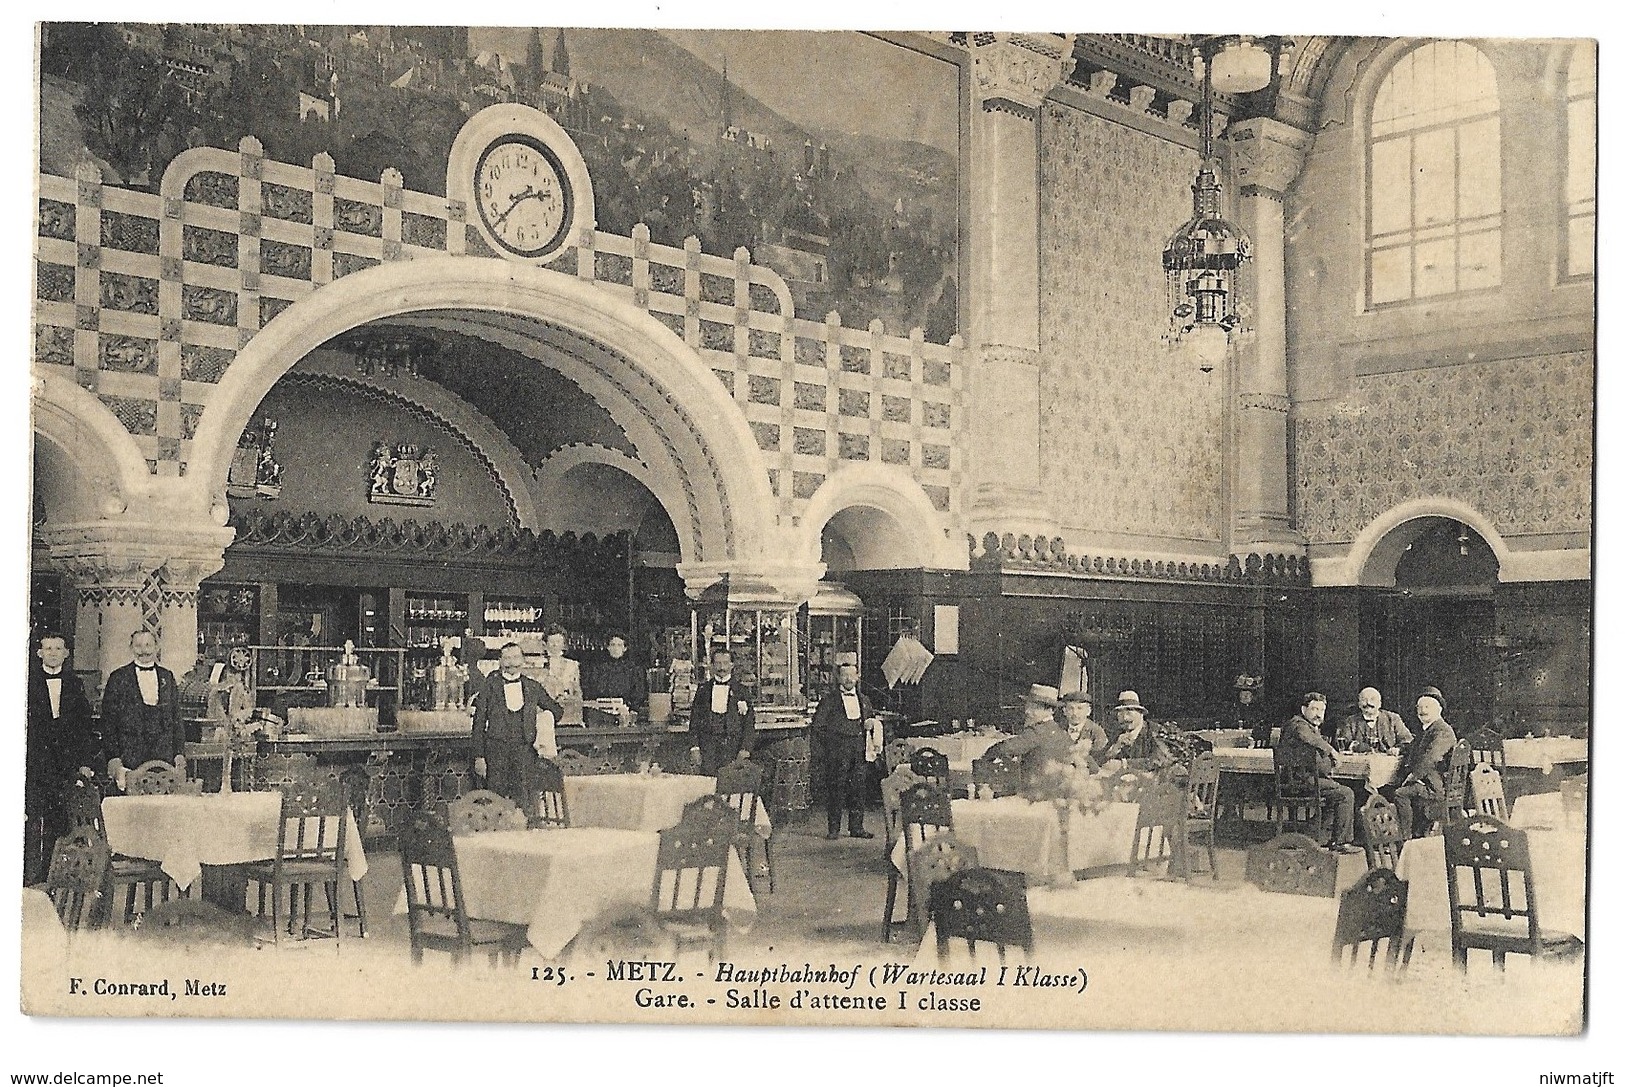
1418, 786
1135, 742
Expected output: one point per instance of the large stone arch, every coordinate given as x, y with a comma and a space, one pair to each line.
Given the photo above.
552, 474
106, 463
673, 390
930, 542
1376, 551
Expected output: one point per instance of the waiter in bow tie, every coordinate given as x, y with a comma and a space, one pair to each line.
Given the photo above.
141, 708
63, 746
513, 727
722, 722
841, 724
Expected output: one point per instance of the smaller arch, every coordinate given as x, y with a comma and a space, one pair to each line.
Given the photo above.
1375, 552
92, 437
552, 472
892, 491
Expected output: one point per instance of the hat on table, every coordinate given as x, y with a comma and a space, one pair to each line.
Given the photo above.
1042, 695
1129, 700
1433, 693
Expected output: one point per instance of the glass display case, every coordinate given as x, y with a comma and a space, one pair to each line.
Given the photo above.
831, 635
765, 647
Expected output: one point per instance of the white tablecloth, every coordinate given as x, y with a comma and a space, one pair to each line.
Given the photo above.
642, 801
555, 881
1544, 811
183, 833
1558, 858
1020, 835
1374, 768
1544, 752
960, 748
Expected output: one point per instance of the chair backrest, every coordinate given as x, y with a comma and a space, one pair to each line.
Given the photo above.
1457, 766
930, 863
1379, 822
429, 871
1202, 787
1489, 747
549, 806
740, 784
1573, 791
981, 905
691, 865
999, 772
158, 778
483, 810
892, 789
77, 876
312, 824
1485, 846
1488, 797
930, 764
924, 811
83, 802
895, 754
1297, 773
1369, 913
1157, 825
1293, 864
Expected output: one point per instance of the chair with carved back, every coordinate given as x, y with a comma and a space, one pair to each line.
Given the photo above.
549, 806
160, 778
1000, 773
895, 754
1371, 921
1293, 864
140, 882
1159, 829
1489, 749
924, 811
691, 875
1488, 797
310, 852
982, 906
1379, 827
1496, 909
929, 864
740, 784
77, 877
482, 810
1297, 790
1202, 810
436, 913
930, 764
1573, 792
1457, 766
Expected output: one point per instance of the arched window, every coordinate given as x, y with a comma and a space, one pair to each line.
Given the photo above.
1433, 169
1580, 190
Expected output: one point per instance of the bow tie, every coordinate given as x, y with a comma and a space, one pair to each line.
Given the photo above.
515, 679
146, 668
53, 675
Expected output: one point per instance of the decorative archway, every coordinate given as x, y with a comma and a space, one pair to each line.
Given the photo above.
106, 461
673, 390
1376, 551
893, 493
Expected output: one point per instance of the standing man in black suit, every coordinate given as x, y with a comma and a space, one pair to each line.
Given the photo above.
141, 708
721, 722
513, 727
63, 745
840, 725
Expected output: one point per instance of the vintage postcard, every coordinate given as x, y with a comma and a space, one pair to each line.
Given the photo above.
826, 528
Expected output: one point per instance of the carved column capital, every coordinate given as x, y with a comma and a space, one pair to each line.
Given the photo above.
124, 556
1268, 155
1014, 72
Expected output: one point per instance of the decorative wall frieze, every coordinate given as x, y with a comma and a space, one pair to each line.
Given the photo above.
1018, 69
1013, 554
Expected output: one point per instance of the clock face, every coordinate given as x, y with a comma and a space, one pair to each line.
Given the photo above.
523, 196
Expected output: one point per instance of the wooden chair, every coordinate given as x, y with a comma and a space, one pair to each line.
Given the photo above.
1159, 830
1000, 773
981, 905
1370, 913
483, 810
1457, 767
933, 861
550, 807
1489, 749
691, 876
1379, 826
1485, 910
1202, 810
160, 778
136, 877
895, 754
1484, 782
200, 756
740, 784
309, 854
78, 873
436, 913
1293, 864
924, 811
930, 764
1573, 792
1297, 790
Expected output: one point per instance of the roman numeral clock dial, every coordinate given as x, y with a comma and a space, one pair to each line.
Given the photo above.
523, 196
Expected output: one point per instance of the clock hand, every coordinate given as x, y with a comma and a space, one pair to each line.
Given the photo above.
526, 193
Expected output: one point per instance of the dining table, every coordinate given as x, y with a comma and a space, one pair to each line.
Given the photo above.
1546, 753
1557, 859
642, 801
555, 881
184, 833
1373, 769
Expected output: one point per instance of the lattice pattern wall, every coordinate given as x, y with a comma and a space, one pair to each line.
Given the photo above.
1511, 438
1132, 438
146, 299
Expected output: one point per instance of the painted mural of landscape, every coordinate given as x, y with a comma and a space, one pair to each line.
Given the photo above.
832, 156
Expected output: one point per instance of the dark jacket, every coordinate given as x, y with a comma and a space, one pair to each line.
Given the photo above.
1299, 733
1427, 757
830, 718
488, 695
1147, 748
621, 679
1389, 727
58, 747
128, 740
730, 732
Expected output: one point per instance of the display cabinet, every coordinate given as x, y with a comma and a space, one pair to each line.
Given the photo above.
764, 643
228, 617
510, 617
831, 635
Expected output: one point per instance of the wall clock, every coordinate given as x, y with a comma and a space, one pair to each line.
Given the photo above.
521, 183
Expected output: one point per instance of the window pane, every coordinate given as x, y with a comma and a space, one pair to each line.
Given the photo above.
1480, 152
1390, 275
1390, 186
1582, 244
1436, 268
1582, 175
1480, 261
1435, 176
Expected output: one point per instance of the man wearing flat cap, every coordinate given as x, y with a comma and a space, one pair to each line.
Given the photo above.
1419, 783
1136, 743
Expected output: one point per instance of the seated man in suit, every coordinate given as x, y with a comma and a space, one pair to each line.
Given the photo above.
1301, 739
1041, 741
1373, 728
1077, 713
1137, 744
1418, 786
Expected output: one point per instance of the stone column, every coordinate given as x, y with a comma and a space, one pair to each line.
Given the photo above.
1267, 156
1011, 75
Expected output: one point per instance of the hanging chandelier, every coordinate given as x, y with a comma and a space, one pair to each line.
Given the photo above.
1203, 259
389, 351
